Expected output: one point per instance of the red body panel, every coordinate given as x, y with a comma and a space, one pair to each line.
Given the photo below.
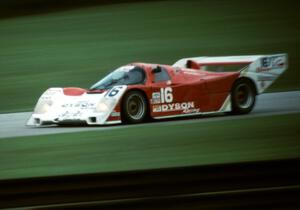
192, 90
73, 91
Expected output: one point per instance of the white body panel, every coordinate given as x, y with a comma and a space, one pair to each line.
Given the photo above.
54, 107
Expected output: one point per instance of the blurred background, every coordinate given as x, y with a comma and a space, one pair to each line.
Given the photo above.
74, 43
48, 43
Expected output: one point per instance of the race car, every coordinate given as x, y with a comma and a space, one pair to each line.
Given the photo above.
140, 91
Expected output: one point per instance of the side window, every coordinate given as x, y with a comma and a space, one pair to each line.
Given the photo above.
161, 75
135, 76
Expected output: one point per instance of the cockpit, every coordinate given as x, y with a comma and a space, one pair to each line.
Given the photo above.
125, 75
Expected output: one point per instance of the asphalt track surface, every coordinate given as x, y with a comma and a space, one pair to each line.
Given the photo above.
13, 124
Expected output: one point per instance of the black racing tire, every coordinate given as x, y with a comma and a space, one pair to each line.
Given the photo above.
243, 96
134, 107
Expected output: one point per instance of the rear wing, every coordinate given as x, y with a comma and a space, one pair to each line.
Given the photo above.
262, 69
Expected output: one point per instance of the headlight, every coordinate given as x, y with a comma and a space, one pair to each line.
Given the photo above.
102, 107
42, 107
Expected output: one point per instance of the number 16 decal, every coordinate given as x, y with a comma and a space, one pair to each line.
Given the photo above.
166, 95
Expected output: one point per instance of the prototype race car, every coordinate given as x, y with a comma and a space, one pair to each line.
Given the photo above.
139, 91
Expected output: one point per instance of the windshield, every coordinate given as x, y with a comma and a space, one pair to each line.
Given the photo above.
125, 75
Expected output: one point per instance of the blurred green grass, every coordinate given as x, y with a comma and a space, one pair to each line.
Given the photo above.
78, 47
152, 146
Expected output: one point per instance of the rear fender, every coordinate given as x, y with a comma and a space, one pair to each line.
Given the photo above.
265, 70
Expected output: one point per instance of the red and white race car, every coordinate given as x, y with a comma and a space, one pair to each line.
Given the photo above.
139, 91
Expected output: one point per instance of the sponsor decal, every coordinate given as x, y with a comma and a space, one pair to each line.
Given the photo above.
272, 62
174, 107
70, 115
155, 98
262, 69
278, 62
79, 104
190, 111
266, 78
156, 108
163, 102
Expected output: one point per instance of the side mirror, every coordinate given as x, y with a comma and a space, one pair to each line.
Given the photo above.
157, 69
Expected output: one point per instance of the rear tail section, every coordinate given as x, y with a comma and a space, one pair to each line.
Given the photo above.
263, 70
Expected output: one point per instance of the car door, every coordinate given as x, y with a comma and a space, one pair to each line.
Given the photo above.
173, 98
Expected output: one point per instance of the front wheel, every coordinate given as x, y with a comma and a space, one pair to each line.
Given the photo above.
243, 97
134, 107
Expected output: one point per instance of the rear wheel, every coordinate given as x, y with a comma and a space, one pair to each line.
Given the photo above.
134, 107
243, 96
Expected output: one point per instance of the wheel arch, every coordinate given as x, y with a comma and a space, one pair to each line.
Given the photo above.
237, 108
148, 112
250, 80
